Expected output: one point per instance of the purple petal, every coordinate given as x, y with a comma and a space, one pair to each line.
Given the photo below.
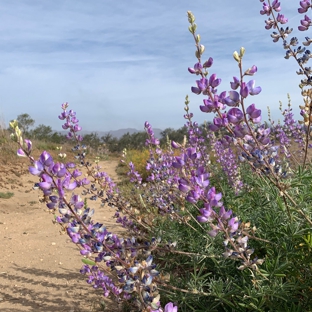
46, 159
251, 71
175, 145
29, 144
235, 83
255, 91
51, 205
235, 115
45, 185
256, 113
244, 91
21, 153
37, 169
196, 90
213, 233
169, 307
214, 127
257, 120
71, 186
202, 219
208, 63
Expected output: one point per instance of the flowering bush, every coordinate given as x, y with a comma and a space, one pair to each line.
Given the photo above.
138, 158
230, 232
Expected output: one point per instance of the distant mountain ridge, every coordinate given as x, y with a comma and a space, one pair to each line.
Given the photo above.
119, 133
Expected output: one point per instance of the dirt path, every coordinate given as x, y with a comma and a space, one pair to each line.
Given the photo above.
39, 267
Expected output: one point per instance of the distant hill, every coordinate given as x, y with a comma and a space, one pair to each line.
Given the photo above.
119, 133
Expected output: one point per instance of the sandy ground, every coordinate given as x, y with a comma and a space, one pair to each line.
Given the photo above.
39, 267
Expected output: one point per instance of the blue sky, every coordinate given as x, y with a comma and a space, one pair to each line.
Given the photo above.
120, 63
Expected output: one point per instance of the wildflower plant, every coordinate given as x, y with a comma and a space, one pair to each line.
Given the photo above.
220, 222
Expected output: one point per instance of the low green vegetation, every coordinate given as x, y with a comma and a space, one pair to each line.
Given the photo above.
6, 195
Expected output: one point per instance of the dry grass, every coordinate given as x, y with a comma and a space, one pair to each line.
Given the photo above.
8, 149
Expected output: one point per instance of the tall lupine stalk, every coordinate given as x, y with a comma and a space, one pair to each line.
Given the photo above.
122, 267
239, 121
301, 54
242, 123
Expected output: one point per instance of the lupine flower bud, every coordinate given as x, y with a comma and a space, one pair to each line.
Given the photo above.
242, 52
251, 71
269, 24
202, 49
236, 57
276, 6
281, 18
266, 10
305, 23
305, 5
208, 63
191, 17
192, 28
